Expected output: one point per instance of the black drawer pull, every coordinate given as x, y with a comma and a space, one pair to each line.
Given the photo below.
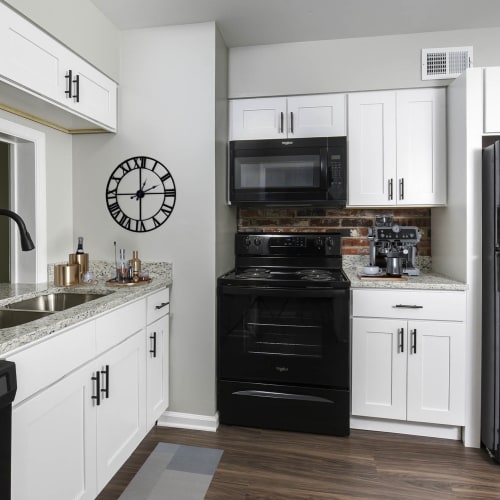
408, 306
105, 389
69, 84
283, 395
97, 396
153, 340
162, 305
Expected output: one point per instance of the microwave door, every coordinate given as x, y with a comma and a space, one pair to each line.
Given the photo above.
272, 173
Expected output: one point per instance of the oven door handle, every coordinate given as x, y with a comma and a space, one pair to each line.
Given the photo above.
285, 292
282, 395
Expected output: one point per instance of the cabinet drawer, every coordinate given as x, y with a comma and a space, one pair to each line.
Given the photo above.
119, 324
409, 304
44, 363
158, 305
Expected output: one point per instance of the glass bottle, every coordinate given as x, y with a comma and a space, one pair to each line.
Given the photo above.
79, 248
122, 271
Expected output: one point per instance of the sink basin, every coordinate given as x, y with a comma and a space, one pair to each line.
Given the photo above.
10, 317
53, 302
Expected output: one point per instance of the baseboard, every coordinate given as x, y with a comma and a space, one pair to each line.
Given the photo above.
189, 421
412, 428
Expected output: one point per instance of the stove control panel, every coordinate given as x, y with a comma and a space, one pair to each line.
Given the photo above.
288, 244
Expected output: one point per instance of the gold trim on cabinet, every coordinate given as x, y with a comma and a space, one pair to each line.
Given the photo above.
41, 121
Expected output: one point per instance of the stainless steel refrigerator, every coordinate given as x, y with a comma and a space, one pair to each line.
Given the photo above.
490, 376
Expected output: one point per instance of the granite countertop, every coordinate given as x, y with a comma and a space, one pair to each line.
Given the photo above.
114, 296
427, 280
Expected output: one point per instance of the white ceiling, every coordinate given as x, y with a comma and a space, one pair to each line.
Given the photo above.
256, 22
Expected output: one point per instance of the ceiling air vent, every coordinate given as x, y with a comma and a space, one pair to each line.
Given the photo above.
445, 63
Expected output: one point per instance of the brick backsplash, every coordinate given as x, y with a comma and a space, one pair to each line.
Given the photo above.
354, 223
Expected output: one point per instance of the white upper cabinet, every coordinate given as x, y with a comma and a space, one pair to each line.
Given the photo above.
42, 68
317, 115
30, 58
397, 148
421, 146
492, 100
93, 93
285, 117
372, 148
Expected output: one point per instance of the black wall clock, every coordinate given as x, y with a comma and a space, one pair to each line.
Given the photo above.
140, 194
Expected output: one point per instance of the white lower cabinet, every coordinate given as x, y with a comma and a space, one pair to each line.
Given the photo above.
54, 442
157, 369
157, 355
70, 439
76, 424
409, 368
120, 417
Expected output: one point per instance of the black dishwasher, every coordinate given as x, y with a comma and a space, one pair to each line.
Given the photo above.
8, 387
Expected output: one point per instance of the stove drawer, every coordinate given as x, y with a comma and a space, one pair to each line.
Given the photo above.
409, 304
284, 407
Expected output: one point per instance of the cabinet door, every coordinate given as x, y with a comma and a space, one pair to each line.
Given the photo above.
54, 442
372, 148
421, 147
31, 59
121, 416
257, 118
491, 100
436, 367
157, 353
379, 368
96, 92
316, 115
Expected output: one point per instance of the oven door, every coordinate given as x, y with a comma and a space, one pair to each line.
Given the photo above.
284, 336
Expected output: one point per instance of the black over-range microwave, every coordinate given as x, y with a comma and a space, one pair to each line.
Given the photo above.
309, 171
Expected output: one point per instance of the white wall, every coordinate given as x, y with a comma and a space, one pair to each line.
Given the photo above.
79, 25
348, 65
167, 110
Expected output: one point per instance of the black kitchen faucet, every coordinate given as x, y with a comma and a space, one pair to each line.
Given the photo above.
26, 241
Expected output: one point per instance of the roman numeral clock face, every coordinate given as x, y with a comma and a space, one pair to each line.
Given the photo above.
140, 194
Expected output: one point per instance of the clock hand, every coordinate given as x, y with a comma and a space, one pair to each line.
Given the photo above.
136, 196
149, 189
140, 194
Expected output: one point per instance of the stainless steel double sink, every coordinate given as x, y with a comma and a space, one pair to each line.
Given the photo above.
24, 311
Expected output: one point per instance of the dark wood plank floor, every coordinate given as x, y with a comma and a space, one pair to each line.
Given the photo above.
265, 464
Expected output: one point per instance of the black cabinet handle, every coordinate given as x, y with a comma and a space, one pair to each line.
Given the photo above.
291, 122
162, 305
401, 189
281, 123
408, 306
401, 333
105, 389
389, 189
414, 341
76, 95
153, 339
69, 84
97, 395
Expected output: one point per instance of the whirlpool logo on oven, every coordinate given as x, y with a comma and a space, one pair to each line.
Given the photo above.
281, 369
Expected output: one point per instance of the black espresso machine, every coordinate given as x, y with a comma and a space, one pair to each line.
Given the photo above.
390, 240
